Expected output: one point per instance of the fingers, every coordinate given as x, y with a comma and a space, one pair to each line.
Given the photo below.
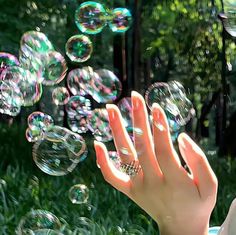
123, 143
165, 153
143, 137
113, 176
199, 166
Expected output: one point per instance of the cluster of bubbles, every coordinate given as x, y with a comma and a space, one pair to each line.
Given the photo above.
104, 87
229, 17
92, 17
56, 150
172, 98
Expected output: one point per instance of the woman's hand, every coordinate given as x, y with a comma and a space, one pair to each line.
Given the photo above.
181, 203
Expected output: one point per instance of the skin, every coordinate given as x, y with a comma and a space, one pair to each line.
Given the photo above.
180, 202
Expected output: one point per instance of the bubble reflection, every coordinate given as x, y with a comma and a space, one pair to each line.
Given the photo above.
60, 95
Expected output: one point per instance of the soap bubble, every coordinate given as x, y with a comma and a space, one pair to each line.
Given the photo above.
33, 134
78, 109
79, 48
77, 80
213, 230
105, 86
7, 60
120, 20
46, 232
26, 81
60, 95
38, 219
90, 17
39, 120
79, 194
229, 22
125, 107
11, 98
172, 98
59, 152
55, 68
78, 104
35, 42
98, 124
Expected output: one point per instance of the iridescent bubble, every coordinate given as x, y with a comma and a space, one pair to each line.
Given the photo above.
77, 81
46, 232
78, 109
59, 152
26, 81
172, 98
34, 41
79, 48
213, 230
11, 98
7, 60
121, 20
79, 194
90, 17
38, 219
78, 104
60, 95
229, 22
33, 134
105, 86
98, 124
125, 107
55, 68
39, 120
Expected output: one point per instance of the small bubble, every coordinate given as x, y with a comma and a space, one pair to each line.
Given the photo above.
60, 95
79, 194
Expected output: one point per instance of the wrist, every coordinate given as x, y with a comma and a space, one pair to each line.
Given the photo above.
184, 228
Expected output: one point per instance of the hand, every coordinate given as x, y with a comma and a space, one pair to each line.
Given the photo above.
181, 203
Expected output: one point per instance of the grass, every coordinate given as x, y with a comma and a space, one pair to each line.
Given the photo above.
107, 211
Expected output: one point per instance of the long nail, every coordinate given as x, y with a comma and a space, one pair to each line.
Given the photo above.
111, 112
135, 100
156, 113
98, 152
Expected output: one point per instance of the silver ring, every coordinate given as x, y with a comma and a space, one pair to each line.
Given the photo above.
131, 169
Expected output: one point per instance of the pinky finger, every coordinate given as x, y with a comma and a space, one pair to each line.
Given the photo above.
117, 179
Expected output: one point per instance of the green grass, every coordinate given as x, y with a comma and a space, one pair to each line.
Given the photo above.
109, 211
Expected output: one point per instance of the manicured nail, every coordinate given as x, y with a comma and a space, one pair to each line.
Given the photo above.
98, 151
111, 112
135, 100
157, 117
181, 142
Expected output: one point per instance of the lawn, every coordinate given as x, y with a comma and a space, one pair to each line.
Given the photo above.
24, 187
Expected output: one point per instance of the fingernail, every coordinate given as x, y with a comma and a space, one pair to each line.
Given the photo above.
135, 100
98, 151
181, 143
111, 112
157, 117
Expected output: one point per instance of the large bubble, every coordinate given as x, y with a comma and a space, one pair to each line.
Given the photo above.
34, 41
11, 98
104, 86
120, 20
37, 219
55, 68
59, 152
172, 98
79, 194
90, 17
98, 124
26, 81
77, 81
7, 60
78, 109
229, 22
79, 48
